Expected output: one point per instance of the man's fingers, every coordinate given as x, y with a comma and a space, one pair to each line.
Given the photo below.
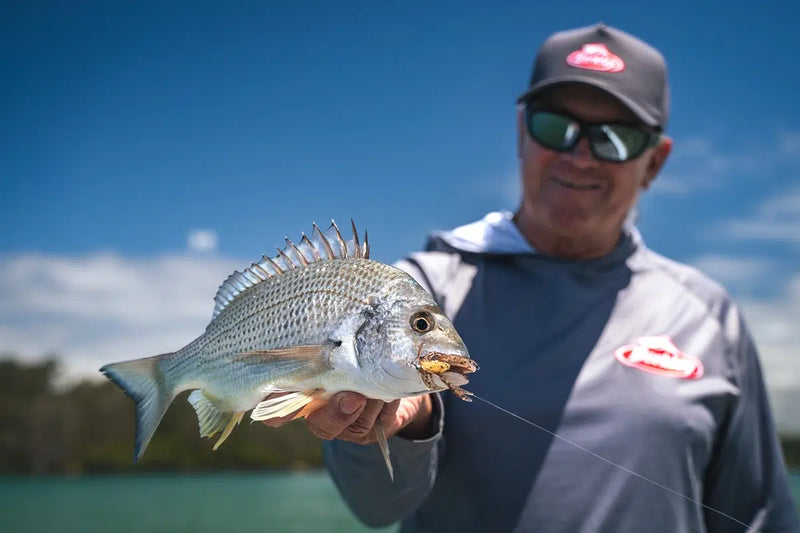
349, 416
342, 410
361, 429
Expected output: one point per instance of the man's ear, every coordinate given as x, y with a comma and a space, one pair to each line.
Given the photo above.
655, 162
520, 129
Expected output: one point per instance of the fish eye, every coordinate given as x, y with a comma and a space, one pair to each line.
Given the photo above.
422, 322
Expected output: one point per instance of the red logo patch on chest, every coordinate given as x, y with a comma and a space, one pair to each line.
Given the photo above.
658, 355
595, 56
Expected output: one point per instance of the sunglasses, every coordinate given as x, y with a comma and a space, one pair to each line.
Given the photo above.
608, 141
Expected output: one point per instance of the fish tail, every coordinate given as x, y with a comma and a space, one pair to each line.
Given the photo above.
144, 382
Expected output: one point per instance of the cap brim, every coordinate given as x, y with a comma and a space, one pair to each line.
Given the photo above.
626, 100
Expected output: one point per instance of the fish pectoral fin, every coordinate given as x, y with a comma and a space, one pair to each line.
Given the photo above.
287, 404
384, 445
307, 358
211, 418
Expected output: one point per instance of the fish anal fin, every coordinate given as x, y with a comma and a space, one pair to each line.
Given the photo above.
280, 406
211, 418
232, 423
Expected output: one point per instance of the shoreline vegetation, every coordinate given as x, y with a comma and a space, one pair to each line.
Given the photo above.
88, 428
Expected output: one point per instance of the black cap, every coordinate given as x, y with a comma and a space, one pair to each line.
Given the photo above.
627, 68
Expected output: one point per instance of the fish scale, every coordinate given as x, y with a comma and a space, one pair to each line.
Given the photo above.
317, 302
318, 318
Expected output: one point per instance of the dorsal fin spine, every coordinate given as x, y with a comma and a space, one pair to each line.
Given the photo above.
297, 252
273, 264
286, 259
314, 250
325, 243
239, 281
252, 276
226, 291
340, 240
260, 272
356, 245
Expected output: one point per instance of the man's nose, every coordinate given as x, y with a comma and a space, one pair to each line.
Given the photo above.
581, 156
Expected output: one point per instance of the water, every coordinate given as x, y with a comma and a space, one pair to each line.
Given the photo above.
263, 502
212, 503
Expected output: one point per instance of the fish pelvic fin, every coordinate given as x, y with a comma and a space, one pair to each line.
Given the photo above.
280, 406
384, 446
143, 381
310, 407
211, 418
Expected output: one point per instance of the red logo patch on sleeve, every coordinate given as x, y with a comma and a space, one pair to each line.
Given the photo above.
595, 56
658, 355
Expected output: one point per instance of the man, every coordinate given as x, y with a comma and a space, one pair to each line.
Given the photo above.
581, 329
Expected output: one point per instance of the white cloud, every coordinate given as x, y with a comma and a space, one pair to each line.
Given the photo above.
694, 165
735, 271
697, 163
501, 191
774, 326
773, 323
202, 240
777, 219
670, 184
99, 308
790, 144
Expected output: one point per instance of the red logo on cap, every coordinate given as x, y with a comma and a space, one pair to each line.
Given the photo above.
658, 355
595, 56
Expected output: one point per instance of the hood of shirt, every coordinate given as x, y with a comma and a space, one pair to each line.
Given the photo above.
496, 234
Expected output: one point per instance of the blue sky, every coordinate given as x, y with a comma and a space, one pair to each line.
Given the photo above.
129, 127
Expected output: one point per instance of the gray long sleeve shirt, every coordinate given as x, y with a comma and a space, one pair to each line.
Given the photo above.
636, 358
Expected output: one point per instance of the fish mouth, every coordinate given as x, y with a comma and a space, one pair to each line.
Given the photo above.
446, 371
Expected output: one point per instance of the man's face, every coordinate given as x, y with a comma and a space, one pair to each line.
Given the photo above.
572, 195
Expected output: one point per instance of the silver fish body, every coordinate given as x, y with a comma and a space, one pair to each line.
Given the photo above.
356, 310
310, 323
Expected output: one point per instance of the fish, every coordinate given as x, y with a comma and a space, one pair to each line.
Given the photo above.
288, 332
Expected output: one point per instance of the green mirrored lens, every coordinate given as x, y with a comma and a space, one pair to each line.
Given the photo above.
608, 142
615, 142
553, 131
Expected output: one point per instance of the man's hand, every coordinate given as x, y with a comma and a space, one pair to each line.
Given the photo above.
350, 416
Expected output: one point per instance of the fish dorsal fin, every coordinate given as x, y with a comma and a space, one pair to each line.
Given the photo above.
321, 246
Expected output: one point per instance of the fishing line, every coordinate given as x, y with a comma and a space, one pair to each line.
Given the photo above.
612, 463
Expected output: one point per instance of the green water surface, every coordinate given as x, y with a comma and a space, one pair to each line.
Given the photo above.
213, 503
